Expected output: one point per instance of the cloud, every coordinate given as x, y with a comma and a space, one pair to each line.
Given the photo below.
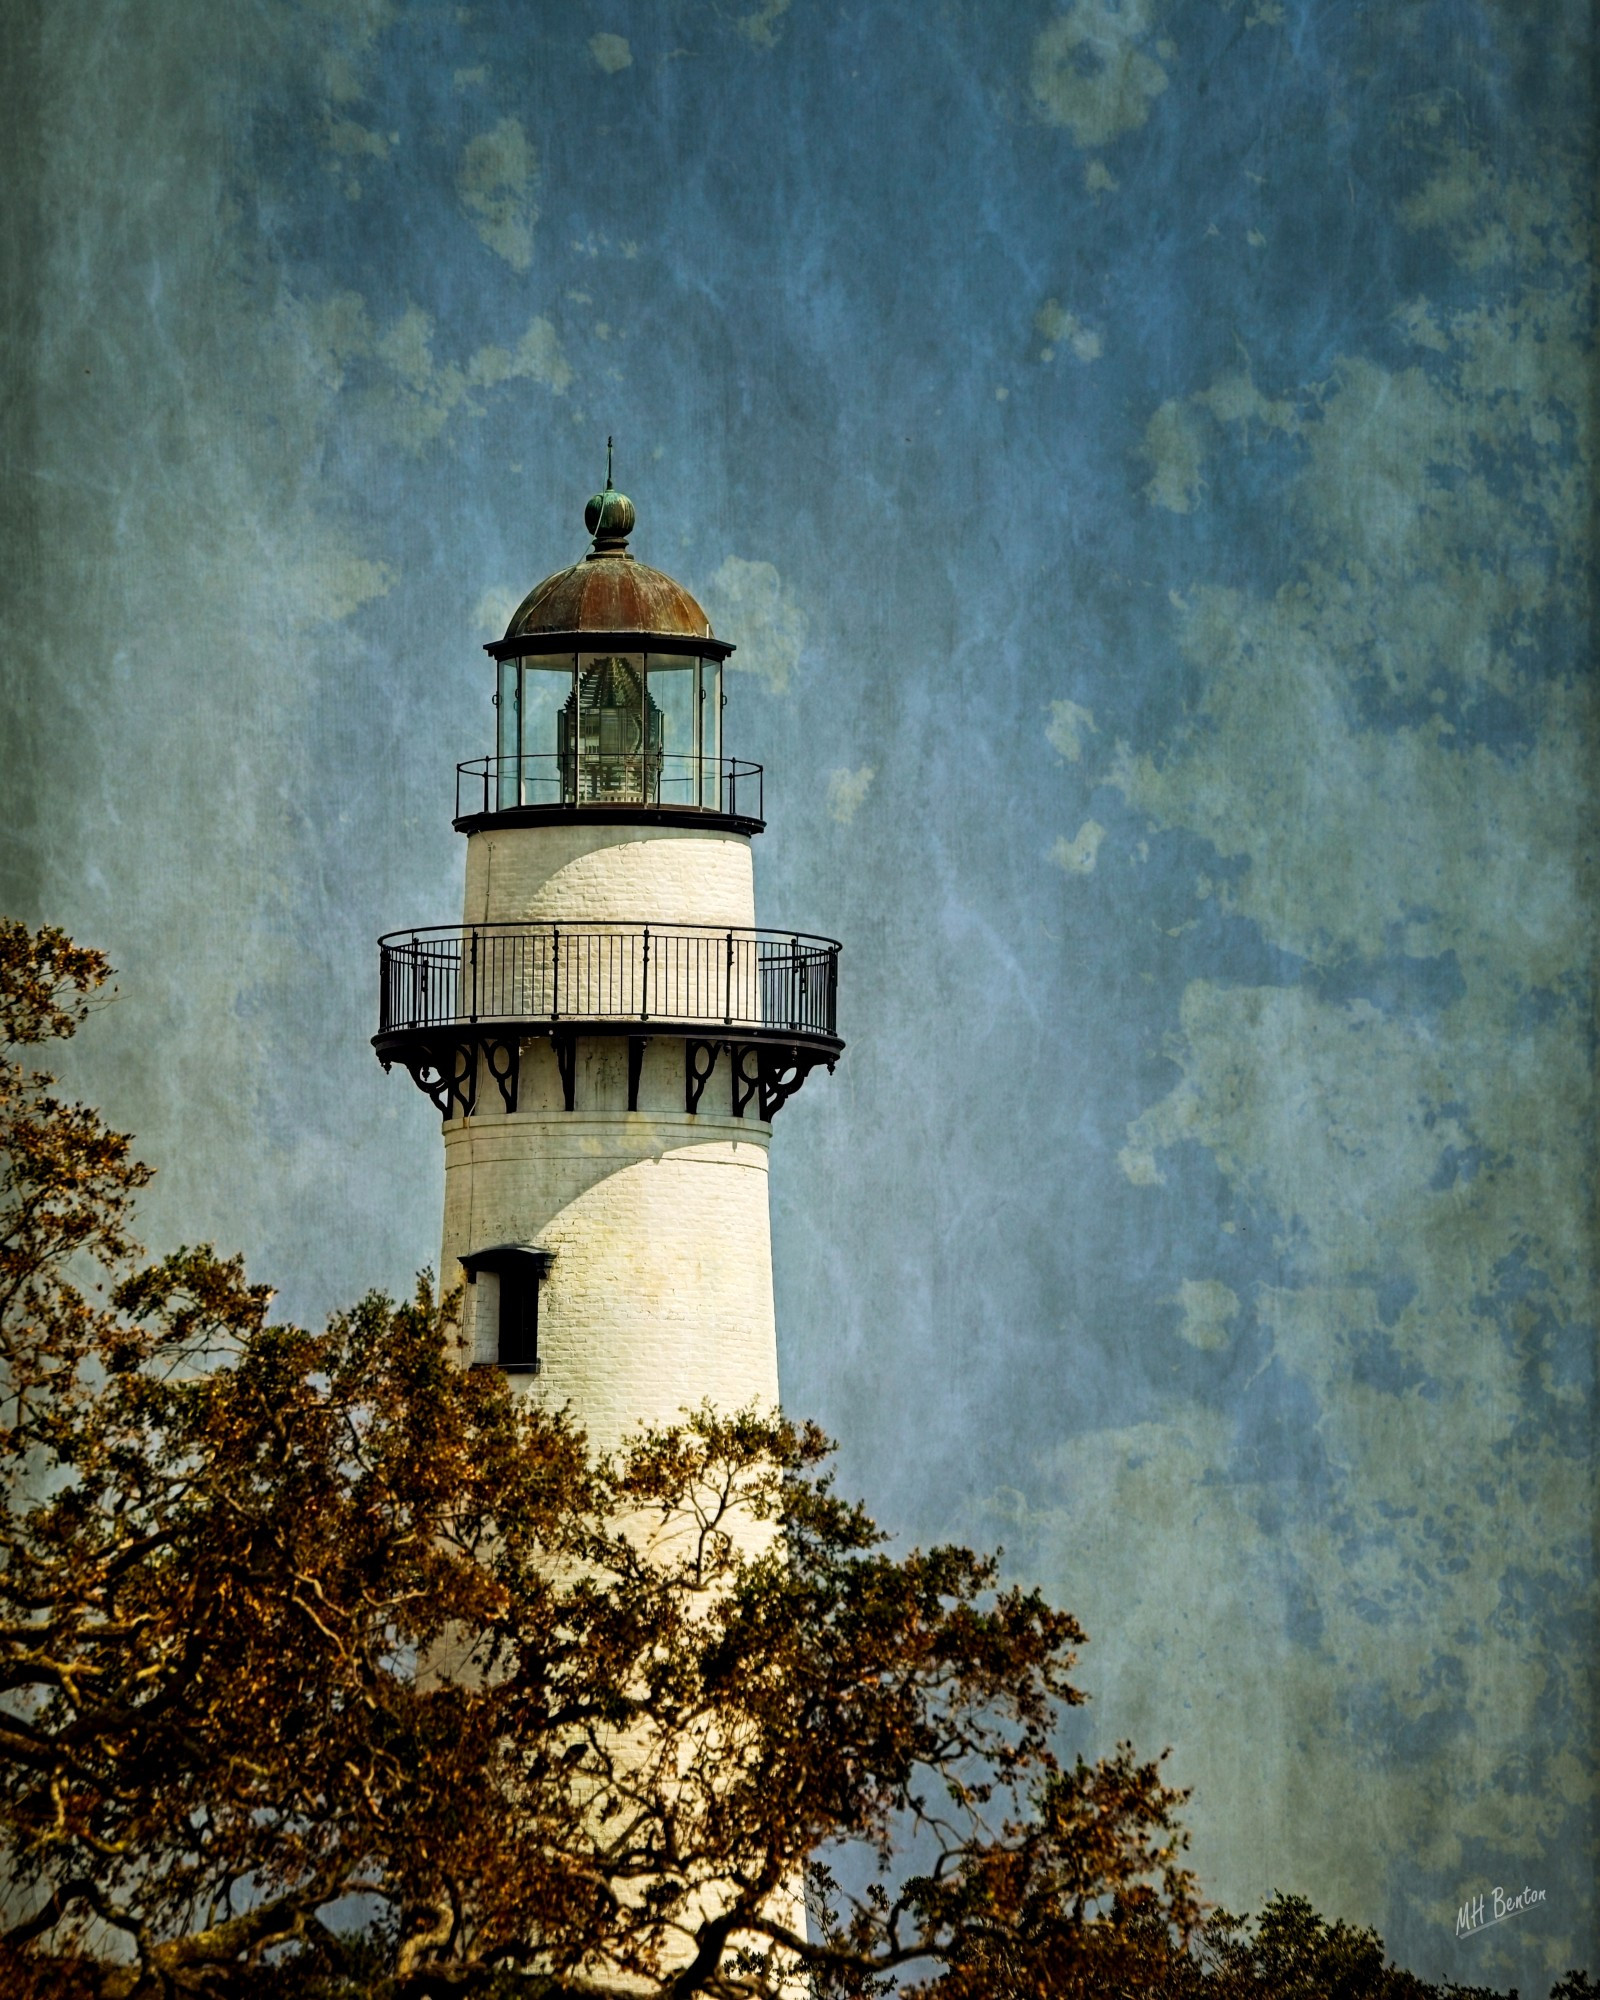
1445, 1490
334, 583
213, 637
1175, 451
1391, 752
349, 140
1209, 1309
537, 357
750, 604
1359, 837
846, 790
1233, 398
760, 29
496, 178
1089, 74
1057, 326
1067, 727
344, 34
1521, 221
611, 52
1276, 1624
1419, 323
493, 610
1184, 430
403, 384
1077, 856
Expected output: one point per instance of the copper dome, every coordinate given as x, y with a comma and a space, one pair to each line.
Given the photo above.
608, 591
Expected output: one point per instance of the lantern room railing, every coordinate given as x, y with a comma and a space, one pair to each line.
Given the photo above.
645, 778
609, 976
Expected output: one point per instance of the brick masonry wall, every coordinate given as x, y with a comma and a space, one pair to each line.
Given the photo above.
660, 1292
610, 874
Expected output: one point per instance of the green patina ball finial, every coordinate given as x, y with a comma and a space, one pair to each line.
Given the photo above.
609, 516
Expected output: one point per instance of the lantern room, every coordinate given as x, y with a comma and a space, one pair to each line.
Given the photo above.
609, 889
609, 696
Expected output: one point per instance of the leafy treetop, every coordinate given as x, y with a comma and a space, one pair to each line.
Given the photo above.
330, 1668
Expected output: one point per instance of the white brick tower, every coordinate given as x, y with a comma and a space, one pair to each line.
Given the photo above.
606, 1033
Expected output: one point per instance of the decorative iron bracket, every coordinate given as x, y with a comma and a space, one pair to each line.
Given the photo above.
635, 1064
446, 1072
782, 1072
699, 1065
505, 1065
444, 1065
566, 1048
765, 1072
746, 1075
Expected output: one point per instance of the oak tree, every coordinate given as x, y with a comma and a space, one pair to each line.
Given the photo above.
329, 1666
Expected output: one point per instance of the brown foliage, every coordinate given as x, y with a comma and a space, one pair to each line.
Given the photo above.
329, 1669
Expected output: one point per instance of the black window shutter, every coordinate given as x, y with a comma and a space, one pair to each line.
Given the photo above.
520, 1269
519, 1314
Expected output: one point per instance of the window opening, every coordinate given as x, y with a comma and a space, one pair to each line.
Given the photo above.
521, 1270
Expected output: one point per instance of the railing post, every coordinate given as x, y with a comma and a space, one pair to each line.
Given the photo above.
644, 990
555, 972
727, 986
472, 1012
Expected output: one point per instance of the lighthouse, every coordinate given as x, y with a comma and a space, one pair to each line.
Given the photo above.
607, 1034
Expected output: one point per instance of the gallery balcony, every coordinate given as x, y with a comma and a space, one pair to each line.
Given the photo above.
452, 994
653, 786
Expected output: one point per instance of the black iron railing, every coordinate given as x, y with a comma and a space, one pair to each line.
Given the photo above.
652, 778
678, 975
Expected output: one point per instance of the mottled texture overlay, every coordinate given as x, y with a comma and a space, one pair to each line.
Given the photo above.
1143, 454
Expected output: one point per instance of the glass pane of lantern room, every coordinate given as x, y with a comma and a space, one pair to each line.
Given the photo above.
546, 689
711, 733
672, 775
507, 735
615, 729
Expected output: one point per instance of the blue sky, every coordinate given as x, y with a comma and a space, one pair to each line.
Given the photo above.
1142, 454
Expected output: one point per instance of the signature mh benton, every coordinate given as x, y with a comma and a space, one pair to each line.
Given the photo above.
1474, 1914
